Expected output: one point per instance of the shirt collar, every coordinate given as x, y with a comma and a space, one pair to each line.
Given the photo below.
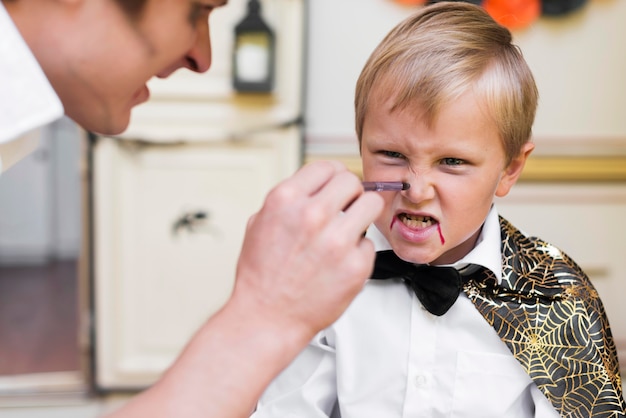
27, 100
486, 252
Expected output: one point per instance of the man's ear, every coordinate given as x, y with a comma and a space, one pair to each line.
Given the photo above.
512, 172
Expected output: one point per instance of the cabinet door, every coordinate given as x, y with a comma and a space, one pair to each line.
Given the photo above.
168, 226
586, 222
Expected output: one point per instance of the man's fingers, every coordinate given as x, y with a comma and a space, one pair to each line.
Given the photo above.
359, 215
312, 177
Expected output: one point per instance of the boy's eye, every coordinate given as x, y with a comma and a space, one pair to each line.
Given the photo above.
452, 161
392, 154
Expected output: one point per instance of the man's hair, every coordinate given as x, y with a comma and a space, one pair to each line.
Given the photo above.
445, 49
132, 8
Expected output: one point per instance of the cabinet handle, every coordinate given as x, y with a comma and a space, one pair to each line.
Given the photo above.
190, 221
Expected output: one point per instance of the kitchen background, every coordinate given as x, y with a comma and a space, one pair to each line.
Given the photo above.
132, 241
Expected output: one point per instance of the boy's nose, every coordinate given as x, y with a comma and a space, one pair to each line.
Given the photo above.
421, 188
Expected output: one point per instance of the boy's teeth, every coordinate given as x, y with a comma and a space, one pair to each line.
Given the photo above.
416, 221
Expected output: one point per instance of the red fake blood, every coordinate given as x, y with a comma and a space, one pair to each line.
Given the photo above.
443, 241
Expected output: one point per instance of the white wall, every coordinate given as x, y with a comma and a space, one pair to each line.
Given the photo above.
579, 62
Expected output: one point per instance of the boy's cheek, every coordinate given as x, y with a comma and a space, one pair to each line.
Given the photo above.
387, 215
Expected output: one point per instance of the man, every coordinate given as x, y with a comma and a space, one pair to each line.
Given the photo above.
91, 59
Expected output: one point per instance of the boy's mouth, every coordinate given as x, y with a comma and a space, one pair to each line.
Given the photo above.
416, 221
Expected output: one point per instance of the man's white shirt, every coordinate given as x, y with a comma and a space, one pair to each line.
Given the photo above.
27, 100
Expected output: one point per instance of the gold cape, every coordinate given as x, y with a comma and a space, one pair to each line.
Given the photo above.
550, 316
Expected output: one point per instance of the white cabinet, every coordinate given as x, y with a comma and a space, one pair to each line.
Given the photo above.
586, 221
169, 223
172, 197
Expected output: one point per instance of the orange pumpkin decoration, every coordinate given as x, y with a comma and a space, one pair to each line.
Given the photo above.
410, 2
514, 14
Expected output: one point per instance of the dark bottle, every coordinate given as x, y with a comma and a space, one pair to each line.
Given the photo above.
253, 53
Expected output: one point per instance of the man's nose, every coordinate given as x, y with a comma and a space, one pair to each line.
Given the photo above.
198, 58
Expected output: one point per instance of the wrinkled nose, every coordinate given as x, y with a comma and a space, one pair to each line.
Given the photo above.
422, 187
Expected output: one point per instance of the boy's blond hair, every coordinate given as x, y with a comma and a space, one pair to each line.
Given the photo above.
440, 52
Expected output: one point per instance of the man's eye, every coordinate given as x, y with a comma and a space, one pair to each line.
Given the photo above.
200, 10
452, 161
392, 154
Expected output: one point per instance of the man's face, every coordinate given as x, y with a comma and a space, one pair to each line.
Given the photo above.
455, 168
107, 70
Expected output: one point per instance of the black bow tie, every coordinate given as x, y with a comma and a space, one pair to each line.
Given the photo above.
437, 288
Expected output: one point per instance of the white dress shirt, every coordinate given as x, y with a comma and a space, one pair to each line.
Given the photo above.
27, 101
389, 357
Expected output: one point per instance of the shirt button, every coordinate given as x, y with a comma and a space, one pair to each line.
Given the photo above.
421, 381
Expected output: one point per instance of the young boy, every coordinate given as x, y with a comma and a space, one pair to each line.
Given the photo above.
446, 104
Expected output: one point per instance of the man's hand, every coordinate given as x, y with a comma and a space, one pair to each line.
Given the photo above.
304, 258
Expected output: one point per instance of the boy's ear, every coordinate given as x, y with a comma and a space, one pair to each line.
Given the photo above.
512, 172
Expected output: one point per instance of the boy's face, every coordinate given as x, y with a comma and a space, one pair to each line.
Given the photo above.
109, 67
455, 169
